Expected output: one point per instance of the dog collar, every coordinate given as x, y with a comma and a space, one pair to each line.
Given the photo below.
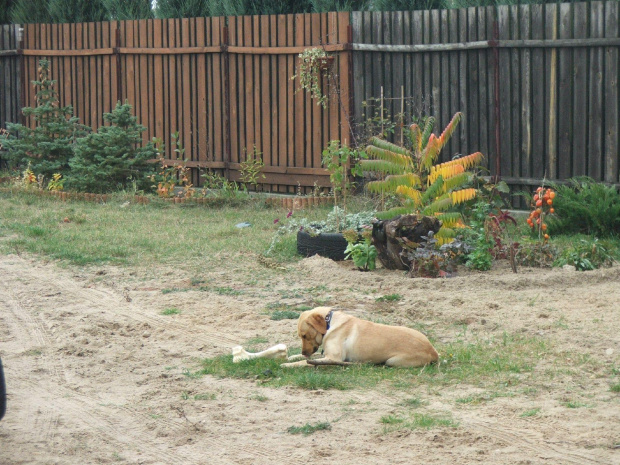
328, 319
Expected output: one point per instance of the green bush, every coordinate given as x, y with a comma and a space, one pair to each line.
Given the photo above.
47, 146
113, 157
586, 206
586, 255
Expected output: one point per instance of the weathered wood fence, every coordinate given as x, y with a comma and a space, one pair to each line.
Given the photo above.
538, 84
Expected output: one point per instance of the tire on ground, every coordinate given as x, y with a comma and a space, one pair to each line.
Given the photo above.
330, 245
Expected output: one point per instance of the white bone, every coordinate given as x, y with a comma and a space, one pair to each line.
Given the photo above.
277, 351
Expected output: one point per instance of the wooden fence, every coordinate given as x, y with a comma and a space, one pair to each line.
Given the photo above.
10, 75
538, 84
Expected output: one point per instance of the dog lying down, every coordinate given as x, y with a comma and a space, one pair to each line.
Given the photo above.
347, 339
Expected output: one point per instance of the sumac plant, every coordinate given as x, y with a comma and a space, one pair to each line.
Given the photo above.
423, 186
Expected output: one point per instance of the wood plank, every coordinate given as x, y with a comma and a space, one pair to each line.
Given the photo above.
281, 109
473, 121
345, 79
539, 128
484, 98
444, 78
300, 98
610, 92
80, 105
463, 140
551, 64
274, 91
332, 121
85, 52
172, 86
250, 83
515, 93
264, 23
236, 97
257, 76
525, 91
186, 110
313, 158
290, 94
503, 20
580, 92
158, 79
565, 96
595, 102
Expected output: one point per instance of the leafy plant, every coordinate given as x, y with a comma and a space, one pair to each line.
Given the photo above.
424, 187
362, 252
587, 255
56, 183
311, 67
542, 205
168, 177
340, 161
308, 429
251, 169
586, 206
113, 157
48, 140
430, 261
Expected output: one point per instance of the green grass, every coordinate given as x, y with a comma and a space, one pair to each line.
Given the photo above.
171, 311
284, 315
530, 413
615, 388
416, 421
389, 298
492, 363
308, 429
135, 235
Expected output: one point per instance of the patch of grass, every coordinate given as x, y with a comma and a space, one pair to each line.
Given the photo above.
285, 315
417, 421
413, 402
171, 311
475, 400
574, 404
259, 398
389, 298
175, 289
257, 340
530, 413
493, 362
615, 388
227, 291
308, 429
209, 396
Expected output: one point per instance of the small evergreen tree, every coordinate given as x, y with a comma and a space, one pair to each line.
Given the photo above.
30, 11
181, 8
77, 11
128, 9
47, 143
320, 6
112, 158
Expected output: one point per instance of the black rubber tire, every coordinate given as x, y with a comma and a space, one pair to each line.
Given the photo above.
2, 392
330, 245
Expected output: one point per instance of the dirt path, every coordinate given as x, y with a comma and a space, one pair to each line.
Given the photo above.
95, 372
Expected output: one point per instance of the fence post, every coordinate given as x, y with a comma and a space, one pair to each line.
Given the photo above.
498, 141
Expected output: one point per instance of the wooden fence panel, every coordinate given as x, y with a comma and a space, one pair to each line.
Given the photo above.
10, 75
558, 82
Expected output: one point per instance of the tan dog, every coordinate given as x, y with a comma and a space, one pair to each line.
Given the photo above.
349, 339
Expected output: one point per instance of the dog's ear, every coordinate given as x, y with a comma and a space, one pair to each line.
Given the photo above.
318, 323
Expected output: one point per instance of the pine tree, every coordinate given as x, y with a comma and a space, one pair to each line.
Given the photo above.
113, 157
47, 142
181, 8
30, 11
77, 11
128, 9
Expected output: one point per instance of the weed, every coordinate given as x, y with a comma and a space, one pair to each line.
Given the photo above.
259, 398
413, 402
171, 311
417, 421
615, 388
285, 315
530, 413
227, 291
575, 404
308, 429
389, 298
210, 396
184, 395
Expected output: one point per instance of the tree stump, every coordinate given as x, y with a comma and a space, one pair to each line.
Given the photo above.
394, 237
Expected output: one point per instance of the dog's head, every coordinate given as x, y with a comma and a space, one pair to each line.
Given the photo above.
311, 327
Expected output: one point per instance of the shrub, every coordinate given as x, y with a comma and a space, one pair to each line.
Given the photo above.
586, 206
586, 255
48, 146
113, 157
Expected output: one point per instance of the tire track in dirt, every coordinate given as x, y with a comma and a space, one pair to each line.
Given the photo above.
86, 411
526, 440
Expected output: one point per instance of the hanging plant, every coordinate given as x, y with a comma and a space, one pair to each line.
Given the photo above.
313, 64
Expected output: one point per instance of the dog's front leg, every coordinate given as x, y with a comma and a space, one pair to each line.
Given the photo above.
328, 361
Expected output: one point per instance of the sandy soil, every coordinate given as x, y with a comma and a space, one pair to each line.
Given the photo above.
95, 372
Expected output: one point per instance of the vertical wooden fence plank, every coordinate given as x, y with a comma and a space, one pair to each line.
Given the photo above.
551, 63
611, 95
526, 101
505, 79
580, 91
595, 102
565, 95
537, 102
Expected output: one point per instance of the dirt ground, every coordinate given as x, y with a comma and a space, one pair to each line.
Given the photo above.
95, 372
